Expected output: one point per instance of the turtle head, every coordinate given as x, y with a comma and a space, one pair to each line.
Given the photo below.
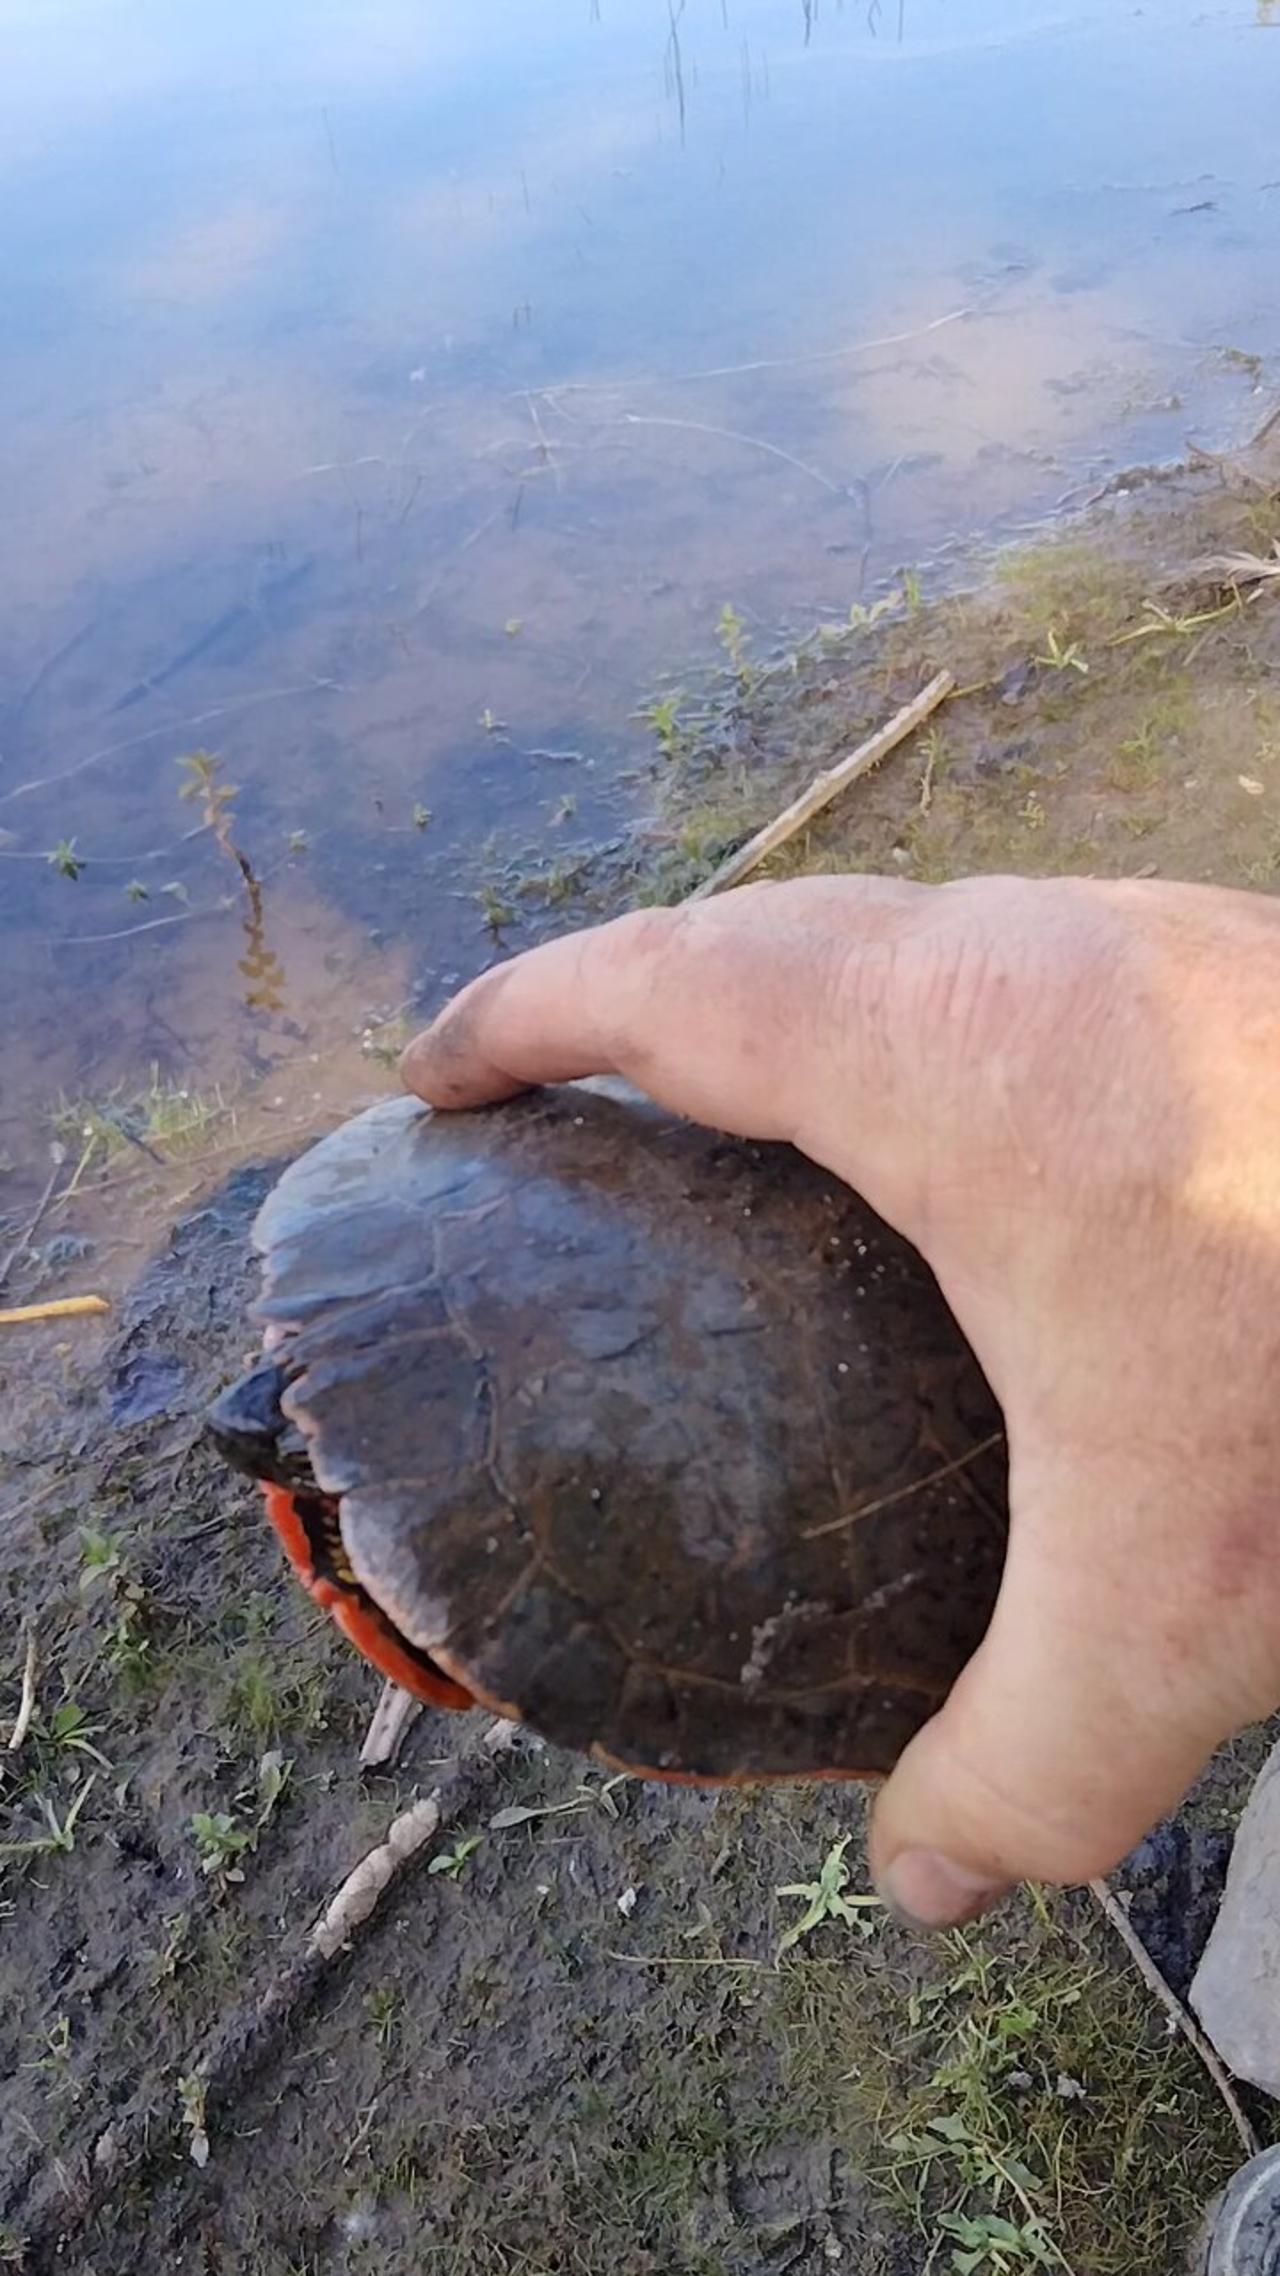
250, 1429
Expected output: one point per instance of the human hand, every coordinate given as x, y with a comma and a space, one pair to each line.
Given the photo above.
1067, 1094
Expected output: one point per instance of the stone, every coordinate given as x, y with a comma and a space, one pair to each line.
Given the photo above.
1236, 1988
1173, 1883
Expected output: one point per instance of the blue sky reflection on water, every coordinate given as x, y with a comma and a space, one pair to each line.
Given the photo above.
339, 342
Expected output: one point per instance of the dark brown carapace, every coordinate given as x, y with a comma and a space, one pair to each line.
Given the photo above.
658, 1442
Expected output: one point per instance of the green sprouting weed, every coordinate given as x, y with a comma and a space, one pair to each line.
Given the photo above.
663, 716
825, 1899
498, 911
191, 2106
732, 634
451, 1861
59, 1826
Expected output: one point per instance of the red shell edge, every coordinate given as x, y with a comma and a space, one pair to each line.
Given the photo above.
362, 1622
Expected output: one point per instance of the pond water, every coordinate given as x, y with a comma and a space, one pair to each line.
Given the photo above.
393, 396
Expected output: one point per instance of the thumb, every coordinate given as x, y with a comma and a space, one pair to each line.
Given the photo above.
1088, 1710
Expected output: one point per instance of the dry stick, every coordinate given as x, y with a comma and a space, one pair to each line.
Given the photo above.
825, 787
393, 1717
27, 1703
1181, 2015
57, 1308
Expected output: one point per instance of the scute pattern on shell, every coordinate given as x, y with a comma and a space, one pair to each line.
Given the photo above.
591, 1380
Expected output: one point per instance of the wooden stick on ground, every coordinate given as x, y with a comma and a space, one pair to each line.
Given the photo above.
393, 1717
825, 787
57, 1308
1181, 2014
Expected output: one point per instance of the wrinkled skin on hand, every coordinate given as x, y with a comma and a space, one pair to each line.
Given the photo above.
1067, 1094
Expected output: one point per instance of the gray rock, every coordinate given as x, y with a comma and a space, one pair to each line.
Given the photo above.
1236, 1988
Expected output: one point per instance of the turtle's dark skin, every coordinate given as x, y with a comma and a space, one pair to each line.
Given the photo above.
658, 1440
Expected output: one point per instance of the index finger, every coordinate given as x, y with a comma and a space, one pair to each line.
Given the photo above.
734, 1011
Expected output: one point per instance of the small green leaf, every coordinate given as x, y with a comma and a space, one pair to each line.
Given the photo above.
65, 859
451, 1861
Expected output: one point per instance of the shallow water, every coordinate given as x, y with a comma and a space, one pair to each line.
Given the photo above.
392, 397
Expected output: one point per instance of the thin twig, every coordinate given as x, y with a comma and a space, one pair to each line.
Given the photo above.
108, 861
27, 1703
173, 728
904, 1493
733, 435
34, 1222
14, 1517
149, 925
548, 454
54, 1308
825, 787
1174, 2007
766, 363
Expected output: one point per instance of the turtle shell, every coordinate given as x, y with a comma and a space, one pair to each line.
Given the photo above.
658, 1440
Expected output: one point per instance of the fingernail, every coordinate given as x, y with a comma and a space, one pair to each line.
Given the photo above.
928, 1890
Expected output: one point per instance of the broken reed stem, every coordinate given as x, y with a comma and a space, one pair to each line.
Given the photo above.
826, 787
54, 1308
1175, 2008
27, 1703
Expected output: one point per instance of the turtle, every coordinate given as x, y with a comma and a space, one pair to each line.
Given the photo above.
654, 1439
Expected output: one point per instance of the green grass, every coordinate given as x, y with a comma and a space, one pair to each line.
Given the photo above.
165, 1116
268, 1695
1013, 2093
